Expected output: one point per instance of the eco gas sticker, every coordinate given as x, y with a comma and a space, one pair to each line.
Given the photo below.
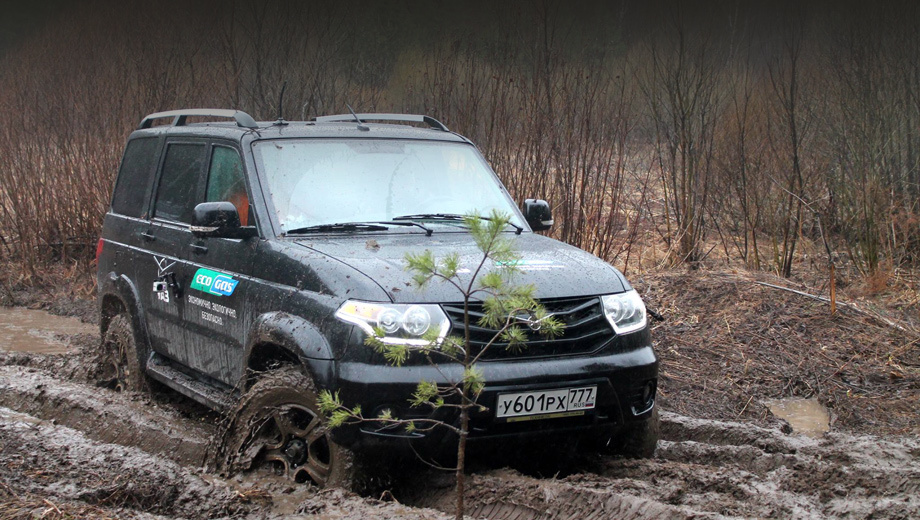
212, 282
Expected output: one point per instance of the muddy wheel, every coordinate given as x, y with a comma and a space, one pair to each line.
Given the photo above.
639, 441
278, 424
120, 361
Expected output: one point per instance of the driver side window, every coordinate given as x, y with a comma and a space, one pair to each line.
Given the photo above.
226, 181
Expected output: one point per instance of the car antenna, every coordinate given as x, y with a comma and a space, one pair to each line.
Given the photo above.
281, 121
361, 125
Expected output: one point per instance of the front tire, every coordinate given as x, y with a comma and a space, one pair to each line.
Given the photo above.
637, 441
278, 424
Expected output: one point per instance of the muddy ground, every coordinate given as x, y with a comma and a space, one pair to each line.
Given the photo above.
69, 449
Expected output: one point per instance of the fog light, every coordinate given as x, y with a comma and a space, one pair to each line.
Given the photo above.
648, 393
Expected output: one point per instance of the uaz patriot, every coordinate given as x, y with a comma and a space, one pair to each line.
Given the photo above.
244, 263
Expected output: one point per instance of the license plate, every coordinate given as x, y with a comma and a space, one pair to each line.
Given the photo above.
545, 404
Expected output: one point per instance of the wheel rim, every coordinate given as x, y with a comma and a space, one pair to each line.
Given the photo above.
294, 440
117, 364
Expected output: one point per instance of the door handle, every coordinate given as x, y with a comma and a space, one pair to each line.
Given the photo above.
199, 249
150, 237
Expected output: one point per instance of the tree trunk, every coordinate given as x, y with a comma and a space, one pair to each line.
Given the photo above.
461, 458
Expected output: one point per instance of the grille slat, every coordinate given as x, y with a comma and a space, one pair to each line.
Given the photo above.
586, 330
586, 320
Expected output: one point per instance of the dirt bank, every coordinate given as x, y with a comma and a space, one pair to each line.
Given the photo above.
727, 344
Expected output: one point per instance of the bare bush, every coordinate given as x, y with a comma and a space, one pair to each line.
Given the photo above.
693, 129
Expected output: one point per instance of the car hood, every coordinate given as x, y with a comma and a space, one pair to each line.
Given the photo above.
556, 269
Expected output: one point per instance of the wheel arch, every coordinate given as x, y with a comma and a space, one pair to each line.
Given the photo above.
119, 294
279, 338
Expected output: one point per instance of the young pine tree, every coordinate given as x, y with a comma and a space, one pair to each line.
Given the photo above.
491, 282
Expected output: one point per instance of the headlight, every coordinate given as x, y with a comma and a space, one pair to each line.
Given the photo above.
402, 324
625, 311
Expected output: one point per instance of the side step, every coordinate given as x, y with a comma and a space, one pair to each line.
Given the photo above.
159, 369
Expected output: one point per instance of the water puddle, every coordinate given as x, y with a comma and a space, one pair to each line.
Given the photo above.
34, 331
18, 419
806, 416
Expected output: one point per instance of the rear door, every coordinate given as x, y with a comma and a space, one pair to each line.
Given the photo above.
128, 221
164, 275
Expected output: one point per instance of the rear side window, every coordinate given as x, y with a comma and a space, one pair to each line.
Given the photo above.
132, 190
178, 189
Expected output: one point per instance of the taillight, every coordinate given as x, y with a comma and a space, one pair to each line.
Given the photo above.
98, 250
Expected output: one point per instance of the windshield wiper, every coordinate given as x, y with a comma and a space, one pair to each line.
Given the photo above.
340, 226
452, 217
428, 230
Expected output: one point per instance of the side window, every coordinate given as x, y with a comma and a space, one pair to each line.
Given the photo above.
135, 177
226, 182
178, 188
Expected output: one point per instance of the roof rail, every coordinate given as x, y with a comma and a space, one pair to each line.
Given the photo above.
242, 118
428, 120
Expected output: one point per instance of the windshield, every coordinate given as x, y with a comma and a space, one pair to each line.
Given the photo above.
324, 181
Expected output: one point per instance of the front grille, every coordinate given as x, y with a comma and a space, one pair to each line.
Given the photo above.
586, 330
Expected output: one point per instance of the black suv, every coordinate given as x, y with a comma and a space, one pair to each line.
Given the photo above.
244, 263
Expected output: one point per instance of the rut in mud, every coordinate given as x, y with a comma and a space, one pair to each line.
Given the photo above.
709, 468
40, 459
68, 445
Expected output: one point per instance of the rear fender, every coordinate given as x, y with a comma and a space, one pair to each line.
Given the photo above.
121, 289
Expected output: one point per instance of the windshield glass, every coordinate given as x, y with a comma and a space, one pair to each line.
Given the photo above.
325, 181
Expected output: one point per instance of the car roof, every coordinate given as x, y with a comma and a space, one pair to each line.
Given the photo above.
305, 130
323, 127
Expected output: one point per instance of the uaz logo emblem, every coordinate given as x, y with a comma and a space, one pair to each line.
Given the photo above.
530, 319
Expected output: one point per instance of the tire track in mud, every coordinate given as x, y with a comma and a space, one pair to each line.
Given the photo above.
508, 495
97, 453
104, 415
45, 465
41, 459
710, 469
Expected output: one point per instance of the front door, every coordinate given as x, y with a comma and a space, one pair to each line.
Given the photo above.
215, 305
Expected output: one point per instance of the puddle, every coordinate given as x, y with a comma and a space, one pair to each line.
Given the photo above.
806, 416
18, 419
26, 330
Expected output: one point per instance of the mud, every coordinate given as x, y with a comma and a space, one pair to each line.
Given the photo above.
70, 449
62, 465
708, 469
47, 468
105, 416
28, 330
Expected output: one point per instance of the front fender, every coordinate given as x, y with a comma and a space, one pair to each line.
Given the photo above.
299, 337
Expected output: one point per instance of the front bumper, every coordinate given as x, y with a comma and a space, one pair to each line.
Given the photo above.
626, 383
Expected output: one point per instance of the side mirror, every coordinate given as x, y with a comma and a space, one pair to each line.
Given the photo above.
218, 219
538, 214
